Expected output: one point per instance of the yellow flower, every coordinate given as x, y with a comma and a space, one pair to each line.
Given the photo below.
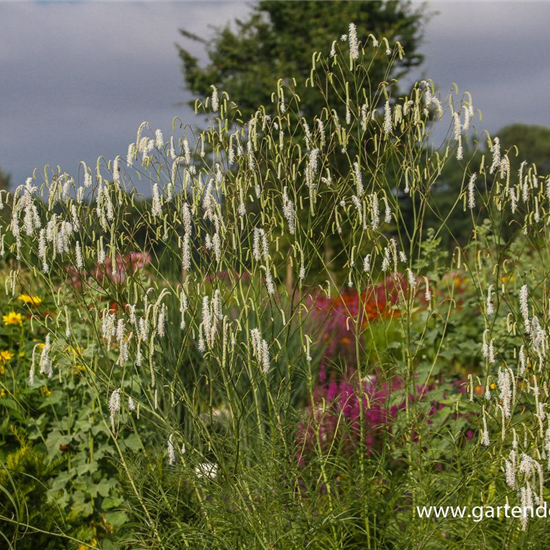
6, 355
2, 393
33, 300
77, 352
78, 369
12, 318
92, 543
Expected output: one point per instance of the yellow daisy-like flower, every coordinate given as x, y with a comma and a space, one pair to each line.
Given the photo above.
12, 318
93, 543
6, 355
27, 299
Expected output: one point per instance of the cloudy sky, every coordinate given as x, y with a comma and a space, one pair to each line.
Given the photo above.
77, 78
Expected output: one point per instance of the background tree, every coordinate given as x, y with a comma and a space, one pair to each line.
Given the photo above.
277, 41
5, 180
533, 143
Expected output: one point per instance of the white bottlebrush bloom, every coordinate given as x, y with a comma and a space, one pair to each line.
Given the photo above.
288, 212
524, 306
241, 209
411, 278
217, 305
108, 327
129, 162
171, 451
201, 345
131, 404
269, 284
217, 247
388, 126
526, 504
366, 264
495, 150
116, 170
387, 211
375, 212
357, 203
260, 349
100, 252
186, 253
260, 245
206, 318
186, 151
161, 320
114, 406
468, 115
214, 100
538, 337
159, 140
42, 250
312, 168
457, 126
513, 200
307, 134
353, 42
45, 359
428, 292
172, 148
522, 361
156, 207
231, 151
321, 129
358, 179
186, 218
472, 192
505, 391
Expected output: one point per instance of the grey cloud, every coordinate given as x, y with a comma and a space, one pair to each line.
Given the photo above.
77, 79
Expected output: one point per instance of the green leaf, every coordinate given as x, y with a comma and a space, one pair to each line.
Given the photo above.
116, 519
133, 442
